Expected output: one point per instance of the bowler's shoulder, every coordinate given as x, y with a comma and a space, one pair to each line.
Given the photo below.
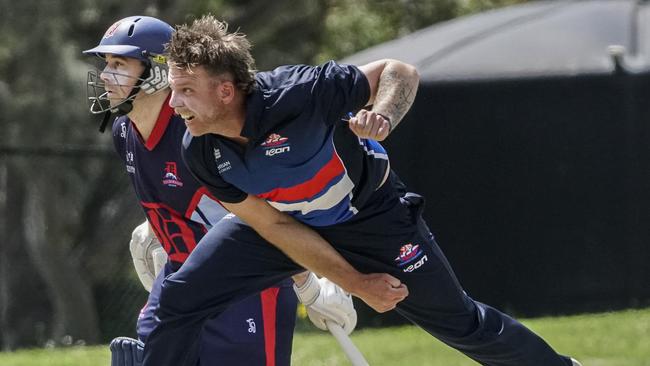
285, 77
288, 76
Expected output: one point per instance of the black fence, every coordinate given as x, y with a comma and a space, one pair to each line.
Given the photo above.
537, 190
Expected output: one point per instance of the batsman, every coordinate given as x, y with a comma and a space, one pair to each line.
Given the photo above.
133, 84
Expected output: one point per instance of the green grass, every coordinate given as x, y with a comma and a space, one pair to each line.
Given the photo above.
608, 339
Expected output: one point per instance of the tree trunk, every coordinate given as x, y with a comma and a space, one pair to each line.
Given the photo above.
6, 332
73, 304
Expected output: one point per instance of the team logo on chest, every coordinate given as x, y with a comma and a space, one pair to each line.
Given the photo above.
170, 178
276, 144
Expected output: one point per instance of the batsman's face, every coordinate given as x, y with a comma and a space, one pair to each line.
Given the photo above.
195, 97
120, 74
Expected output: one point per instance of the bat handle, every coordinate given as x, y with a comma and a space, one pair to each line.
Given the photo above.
346, 344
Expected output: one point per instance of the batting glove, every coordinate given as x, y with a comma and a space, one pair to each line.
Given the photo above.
148, 255
325, 301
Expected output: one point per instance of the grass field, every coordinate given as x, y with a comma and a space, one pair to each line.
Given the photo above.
608, 339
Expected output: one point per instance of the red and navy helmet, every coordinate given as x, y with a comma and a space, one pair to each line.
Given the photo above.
140, 37
136, 36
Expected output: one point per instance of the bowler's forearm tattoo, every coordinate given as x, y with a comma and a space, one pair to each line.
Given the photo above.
395, 94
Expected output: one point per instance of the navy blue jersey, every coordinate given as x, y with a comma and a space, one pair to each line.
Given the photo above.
178, 208
300, 156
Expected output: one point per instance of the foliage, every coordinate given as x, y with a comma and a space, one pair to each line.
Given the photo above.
312, 31
351, 26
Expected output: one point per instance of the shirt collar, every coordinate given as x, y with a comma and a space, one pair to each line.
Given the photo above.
166, 113
254, 111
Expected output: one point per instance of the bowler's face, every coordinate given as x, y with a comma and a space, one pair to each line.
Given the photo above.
194, 97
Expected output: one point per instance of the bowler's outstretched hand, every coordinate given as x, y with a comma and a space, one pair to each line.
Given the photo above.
381, 291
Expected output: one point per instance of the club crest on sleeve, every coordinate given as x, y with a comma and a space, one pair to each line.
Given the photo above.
170, 177
123, 130
130, 162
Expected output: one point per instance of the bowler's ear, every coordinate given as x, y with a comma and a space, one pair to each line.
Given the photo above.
226, 91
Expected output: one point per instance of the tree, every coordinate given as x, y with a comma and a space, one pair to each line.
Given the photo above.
56, 172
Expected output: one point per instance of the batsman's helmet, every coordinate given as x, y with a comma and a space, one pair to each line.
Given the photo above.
140, 37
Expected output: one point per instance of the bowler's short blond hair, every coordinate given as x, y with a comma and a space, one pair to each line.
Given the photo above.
207, 43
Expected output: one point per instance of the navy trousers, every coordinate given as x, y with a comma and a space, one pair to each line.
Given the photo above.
388, 235
258, 329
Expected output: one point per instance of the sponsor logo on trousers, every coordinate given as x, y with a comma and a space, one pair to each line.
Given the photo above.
252, 328
416, 265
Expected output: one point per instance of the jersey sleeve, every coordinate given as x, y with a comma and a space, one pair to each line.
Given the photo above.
339, 89
120, 124
329, 91
198, 156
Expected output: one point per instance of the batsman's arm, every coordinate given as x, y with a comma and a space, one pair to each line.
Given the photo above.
303, 245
